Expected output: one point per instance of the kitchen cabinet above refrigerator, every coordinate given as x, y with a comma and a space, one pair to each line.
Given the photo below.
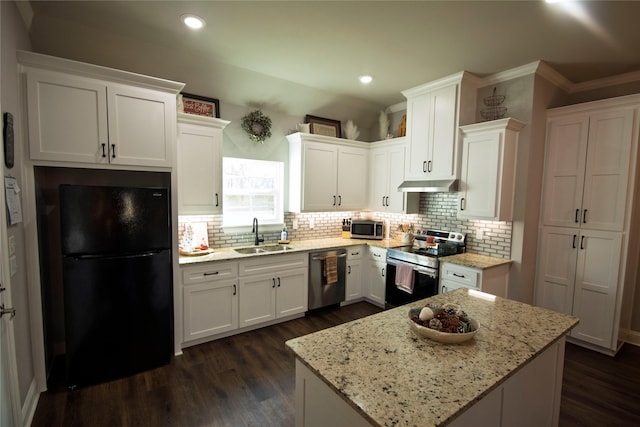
89, 114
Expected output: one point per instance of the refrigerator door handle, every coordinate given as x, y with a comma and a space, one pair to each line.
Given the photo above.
110, 256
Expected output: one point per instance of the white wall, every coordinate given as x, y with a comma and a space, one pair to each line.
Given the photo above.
14, 36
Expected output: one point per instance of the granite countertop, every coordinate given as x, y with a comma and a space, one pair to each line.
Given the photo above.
475, 261
223, 254
392, 376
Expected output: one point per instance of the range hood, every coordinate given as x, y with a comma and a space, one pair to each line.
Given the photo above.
437, 186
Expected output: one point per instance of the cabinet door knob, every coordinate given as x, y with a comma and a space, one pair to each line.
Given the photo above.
235, 290
424, 166
383, 272
348, 269
574, 241
113, 151
462, 203
217, 202
382, 200
584, 216
429, 166
339, 200
577, 220
582, 242
278, 282
274, 282
104, 154
334, 200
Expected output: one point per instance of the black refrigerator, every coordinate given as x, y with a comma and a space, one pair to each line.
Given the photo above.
117, 280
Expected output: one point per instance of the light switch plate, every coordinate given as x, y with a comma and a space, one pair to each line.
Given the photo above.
13, 263
312, 223
295, 224
12, 245
479, 234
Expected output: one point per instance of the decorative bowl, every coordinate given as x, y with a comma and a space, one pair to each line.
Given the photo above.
442, 337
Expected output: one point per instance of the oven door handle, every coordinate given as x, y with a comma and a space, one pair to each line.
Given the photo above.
426, 271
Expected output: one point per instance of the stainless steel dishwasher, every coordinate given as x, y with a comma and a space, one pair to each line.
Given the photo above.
321, 293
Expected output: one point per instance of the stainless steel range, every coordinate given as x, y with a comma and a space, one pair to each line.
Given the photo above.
422, 257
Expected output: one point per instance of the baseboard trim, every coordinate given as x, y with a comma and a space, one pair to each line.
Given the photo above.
30, 404
633, 337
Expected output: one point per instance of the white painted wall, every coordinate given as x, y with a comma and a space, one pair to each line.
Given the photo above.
15, 36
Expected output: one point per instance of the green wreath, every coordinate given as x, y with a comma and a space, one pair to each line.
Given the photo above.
257, 125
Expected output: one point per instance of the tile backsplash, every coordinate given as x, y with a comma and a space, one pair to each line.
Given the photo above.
437, 211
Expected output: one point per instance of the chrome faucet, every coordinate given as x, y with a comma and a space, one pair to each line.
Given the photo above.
255, 230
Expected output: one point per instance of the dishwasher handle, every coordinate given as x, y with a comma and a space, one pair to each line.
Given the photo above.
321, 258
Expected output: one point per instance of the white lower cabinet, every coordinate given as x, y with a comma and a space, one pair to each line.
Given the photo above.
210, 297
493, 280
273, 287
578, 274
376, 275
354, 273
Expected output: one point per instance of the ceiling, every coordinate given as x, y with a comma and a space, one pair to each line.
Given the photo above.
264, 49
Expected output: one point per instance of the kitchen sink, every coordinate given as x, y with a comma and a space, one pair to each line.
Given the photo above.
263, 249
277, 248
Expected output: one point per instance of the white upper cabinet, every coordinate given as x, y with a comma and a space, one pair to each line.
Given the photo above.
327, 174
434, 112
488, 173
199, 164
587, 168
387, 166
74, 115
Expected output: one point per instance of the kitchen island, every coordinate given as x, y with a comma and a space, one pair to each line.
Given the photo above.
378, 371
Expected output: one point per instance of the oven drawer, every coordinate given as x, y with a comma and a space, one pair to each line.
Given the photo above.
455, 273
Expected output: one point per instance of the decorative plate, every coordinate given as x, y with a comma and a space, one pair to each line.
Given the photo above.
442, 337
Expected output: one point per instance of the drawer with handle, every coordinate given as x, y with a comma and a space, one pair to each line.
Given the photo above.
465, 276
208, 272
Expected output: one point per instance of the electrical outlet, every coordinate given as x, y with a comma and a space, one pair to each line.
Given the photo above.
312, 223
479, 234
295, 224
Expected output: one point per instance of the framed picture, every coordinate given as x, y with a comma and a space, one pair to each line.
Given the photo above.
200, 105
322, 126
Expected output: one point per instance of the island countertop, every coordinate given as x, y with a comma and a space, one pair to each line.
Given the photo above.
392, 376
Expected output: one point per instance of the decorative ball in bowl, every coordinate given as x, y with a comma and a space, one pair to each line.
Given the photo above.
447, 324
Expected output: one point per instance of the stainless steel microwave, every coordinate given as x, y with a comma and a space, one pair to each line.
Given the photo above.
367, 229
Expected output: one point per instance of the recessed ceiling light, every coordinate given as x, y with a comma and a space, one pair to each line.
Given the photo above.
365, 79
192, 21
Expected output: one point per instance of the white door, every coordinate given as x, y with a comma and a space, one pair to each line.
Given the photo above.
566, 153
8, 380
199, 170
557, 258
67, 117
377, 277
353, 166
596, 286
292, 287
396, 199
418, 135
141, 126
481, 165
379, 181
257, 301
607, 169
441, 163
320, 173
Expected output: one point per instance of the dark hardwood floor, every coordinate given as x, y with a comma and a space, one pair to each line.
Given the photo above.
248, 380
